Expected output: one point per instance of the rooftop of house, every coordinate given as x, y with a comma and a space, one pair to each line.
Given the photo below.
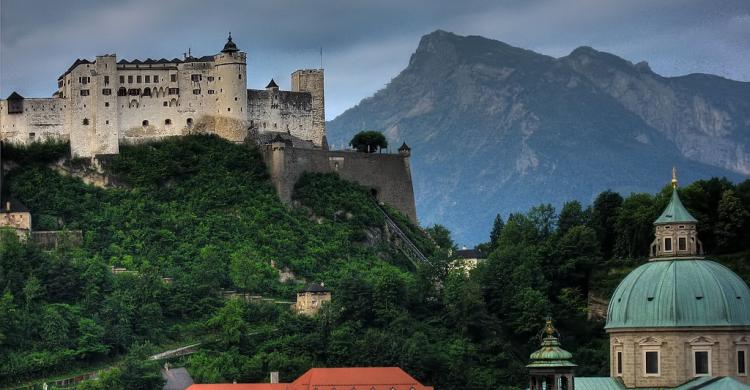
350, 378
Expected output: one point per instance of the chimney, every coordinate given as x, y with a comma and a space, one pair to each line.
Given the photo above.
274, 377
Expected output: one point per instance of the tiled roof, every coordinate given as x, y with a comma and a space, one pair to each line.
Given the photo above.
675, 212
15, 96
357, 378
314, 287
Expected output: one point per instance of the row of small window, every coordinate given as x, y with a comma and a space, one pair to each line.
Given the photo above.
701, 363
135, 91
199, 77
140, 79
145, 122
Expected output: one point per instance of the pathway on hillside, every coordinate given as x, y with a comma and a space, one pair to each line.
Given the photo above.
407, 247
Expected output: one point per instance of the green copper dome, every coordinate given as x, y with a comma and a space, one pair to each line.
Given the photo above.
551, 355
675, 212
680, 293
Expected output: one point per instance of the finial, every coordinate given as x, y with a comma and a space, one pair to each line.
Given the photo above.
230, 36
674, 177
549, 329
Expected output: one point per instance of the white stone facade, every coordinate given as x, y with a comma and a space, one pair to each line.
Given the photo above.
103, 103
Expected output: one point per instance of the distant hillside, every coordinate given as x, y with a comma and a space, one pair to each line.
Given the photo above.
496, 129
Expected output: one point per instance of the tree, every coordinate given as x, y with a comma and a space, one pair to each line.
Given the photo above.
251, 273
369, 141
731, 222
572, 214
635, 226
604, 218
497, 230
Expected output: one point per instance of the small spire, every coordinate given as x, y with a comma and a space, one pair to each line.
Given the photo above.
549, 329
230, 37
674, 177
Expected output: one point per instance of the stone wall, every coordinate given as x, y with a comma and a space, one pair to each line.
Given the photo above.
42, 119
312, 81
388, 175
281, 111
675, 348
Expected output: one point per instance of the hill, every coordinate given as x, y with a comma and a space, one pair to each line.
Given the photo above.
497, 129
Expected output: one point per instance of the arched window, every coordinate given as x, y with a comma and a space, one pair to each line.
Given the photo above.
189, 122
122, 91
167, 121
145, 123
173, 103
85, 121
147, 91
134, 91
133, 103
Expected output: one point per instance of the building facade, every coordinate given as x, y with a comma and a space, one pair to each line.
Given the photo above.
311, 298
102, 103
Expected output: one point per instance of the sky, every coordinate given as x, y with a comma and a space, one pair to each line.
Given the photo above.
365, 43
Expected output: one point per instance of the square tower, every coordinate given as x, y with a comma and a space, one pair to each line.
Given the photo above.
311, 81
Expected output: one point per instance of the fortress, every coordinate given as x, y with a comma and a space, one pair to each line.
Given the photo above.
104, 103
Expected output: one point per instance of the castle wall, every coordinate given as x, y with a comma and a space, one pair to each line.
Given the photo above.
388, 175
42, 119
283, 111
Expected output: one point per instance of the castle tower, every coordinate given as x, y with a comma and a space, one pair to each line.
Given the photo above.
105, 121
311, 80
676, 233
231, 83
550, 367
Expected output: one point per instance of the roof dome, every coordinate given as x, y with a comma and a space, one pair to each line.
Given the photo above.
550, 355
680, 293
230, 47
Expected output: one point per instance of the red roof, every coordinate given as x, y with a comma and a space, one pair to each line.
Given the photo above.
351, 378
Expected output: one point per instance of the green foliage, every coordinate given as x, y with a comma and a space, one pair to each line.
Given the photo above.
369, 141
45, 152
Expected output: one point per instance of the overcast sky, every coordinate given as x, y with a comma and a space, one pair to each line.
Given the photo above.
365, 44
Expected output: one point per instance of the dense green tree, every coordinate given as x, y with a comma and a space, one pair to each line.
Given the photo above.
572, 214
604, 214
368, 141
731, 222
635, 226
497, 230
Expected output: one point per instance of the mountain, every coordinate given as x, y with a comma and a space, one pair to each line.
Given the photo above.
497, 129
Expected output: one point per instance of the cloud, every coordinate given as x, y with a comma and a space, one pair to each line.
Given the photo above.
366, 44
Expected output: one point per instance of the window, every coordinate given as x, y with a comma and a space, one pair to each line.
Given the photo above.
138, 79
156, 78
166, 104
167, 121
107, 122
106, 91
147, 79
239, 76
147, 91
667, 244
106, 80
32, 136
742, 362
134, 91
122, 79
619, 362
85, 121
173, 77
122, 92
106, 104
210, 78
84, 92
174, 91
651, 363
130, 79
229, 109
210, 91
682, 244
196, 92
189, 121
195, 77
701, 363
144, 123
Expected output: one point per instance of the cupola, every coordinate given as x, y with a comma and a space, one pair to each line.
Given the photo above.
551, 367
676, 230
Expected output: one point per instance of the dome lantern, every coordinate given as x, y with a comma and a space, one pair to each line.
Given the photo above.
676, 230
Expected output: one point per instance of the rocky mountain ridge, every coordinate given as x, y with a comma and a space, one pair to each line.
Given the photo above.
497, 129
